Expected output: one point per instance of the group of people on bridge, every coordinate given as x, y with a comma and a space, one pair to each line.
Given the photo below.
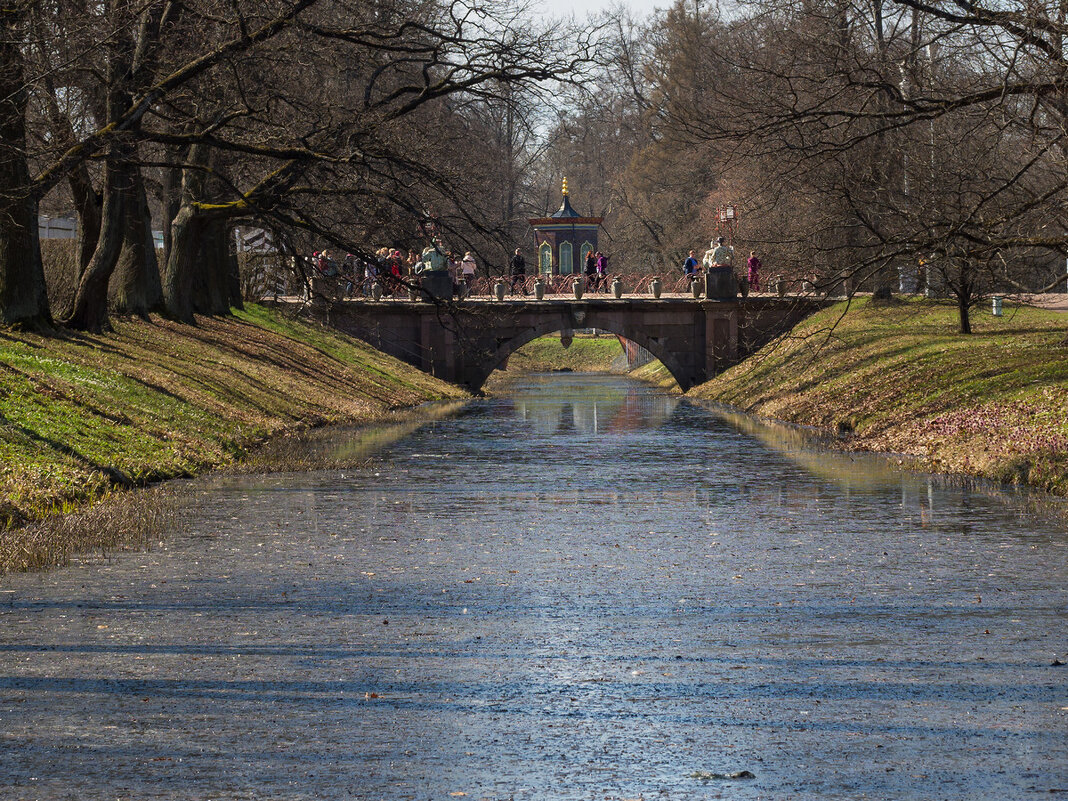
389, 267
595, 269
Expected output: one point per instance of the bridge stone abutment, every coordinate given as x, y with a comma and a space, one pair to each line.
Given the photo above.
464, 342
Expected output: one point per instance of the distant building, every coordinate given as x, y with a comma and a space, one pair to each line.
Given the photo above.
254, 240
65, 227
564, 238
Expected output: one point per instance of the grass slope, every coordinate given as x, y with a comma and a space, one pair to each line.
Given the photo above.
657, 374
586, 354
900, 378
81, 414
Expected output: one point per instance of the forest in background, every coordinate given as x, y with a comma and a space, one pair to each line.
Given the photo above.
895, 144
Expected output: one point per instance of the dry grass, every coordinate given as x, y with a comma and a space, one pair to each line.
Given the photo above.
119, 521
901, 379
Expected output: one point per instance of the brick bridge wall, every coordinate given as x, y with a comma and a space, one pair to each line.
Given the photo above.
464, 342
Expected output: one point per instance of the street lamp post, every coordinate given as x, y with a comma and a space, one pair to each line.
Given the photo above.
728, 222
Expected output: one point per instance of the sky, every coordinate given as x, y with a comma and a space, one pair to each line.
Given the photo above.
581, 9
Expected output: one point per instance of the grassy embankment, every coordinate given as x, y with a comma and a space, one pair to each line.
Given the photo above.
586, 354
900, 378
657, 374
82, 415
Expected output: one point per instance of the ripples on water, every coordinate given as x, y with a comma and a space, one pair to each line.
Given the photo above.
584, 590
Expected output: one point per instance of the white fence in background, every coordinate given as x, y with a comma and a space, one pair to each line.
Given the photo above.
57, 227
67, 228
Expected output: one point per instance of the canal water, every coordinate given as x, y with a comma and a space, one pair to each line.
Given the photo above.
583, 590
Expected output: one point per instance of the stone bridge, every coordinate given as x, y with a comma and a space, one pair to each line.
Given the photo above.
466, 341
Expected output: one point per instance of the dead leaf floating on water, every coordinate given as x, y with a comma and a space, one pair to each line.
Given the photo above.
706, 776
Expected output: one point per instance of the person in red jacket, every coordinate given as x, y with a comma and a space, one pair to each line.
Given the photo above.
754, 266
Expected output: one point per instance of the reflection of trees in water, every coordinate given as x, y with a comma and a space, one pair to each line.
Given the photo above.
593, 404
937, 501
861, 473
343, 445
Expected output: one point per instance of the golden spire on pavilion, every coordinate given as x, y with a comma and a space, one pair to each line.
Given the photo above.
565, 186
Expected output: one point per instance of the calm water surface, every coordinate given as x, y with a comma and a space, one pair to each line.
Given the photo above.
586, 590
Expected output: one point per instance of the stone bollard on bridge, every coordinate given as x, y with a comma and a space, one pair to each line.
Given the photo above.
436, 284
720, 283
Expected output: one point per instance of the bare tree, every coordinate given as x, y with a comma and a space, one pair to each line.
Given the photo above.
347, 120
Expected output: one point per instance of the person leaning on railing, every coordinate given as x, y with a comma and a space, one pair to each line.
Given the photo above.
602, 273
691, 265
467, 269
753, 265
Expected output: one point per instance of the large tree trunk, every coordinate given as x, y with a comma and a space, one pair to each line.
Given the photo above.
88, 204
23, 299
201, 272
209, 284
187, 231
200, 276
135, 285
219, 286
130, 268
90, 312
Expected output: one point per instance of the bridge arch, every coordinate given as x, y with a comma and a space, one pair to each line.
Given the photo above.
549, 326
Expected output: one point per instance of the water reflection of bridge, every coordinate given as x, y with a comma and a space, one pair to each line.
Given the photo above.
589, 408
464, 342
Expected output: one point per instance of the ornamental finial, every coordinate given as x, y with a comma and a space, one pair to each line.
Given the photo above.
565, 187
